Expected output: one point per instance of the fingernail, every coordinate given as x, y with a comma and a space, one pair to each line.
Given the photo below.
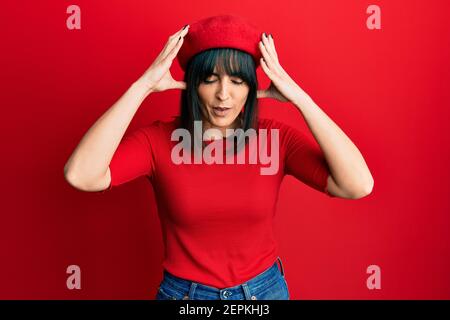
265, 35
179, 38
271, 36
185, 27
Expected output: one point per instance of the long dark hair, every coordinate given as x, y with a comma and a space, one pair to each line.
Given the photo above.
231, 61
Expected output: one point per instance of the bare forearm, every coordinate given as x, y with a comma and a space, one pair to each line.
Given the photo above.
347, 165
91, 158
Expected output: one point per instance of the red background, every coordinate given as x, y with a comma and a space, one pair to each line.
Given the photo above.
387, 89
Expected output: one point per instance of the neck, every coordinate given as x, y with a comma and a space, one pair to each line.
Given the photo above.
207, 125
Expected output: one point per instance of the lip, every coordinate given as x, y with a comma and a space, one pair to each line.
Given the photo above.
221, 111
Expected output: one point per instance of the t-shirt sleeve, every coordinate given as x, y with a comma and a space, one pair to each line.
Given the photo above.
305, 160
133, 158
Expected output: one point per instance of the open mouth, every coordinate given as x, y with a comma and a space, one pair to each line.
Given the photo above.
221, 112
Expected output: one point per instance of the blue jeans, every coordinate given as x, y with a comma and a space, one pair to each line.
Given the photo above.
268, 285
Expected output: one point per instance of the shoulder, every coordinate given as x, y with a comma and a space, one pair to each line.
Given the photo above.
268, 123
162, 126
288, 134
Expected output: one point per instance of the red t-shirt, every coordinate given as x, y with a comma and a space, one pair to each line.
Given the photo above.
216, 219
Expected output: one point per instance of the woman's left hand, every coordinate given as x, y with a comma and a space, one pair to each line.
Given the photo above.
282, 87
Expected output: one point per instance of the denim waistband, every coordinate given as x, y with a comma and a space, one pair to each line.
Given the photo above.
259, 282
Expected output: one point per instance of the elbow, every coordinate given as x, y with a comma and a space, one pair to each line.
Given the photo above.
364, 190
68, 175
81, 182
72, 179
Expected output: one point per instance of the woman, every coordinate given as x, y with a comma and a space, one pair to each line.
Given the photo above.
216, 216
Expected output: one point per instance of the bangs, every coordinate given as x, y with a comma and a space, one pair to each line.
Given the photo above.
233, 62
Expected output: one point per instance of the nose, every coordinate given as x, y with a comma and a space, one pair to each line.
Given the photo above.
223, 91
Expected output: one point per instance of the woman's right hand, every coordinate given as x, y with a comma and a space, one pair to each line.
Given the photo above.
157, 78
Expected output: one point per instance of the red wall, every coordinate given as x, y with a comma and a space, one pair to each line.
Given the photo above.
387, 89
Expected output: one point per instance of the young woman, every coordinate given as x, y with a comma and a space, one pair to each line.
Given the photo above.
216, 216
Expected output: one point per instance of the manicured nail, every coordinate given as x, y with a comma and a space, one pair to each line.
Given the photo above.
185, 27
179, 38
270, 35
265, 35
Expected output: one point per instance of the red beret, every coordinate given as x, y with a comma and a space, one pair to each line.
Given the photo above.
222, 31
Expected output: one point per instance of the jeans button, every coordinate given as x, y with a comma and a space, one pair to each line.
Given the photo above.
226, 294
253, 298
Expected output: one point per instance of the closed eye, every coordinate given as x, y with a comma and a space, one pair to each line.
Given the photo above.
212, 81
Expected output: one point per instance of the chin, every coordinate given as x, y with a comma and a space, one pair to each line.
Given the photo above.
222, 122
